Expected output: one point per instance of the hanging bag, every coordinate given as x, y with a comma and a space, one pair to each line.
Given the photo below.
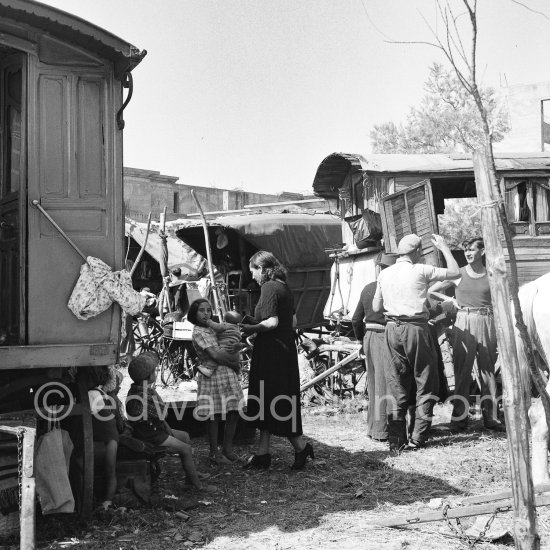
53, 453
366, 228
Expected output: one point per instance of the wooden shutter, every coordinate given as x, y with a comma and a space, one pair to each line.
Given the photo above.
411, 211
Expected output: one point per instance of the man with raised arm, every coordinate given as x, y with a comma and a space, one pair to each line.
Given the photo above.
412, 377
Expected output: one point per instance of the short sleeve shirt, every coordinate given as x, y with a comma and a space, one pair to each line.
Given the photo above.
276, 300
403, 288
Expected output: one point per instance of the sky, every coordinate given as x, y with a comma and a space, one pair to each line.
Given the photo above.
254, 94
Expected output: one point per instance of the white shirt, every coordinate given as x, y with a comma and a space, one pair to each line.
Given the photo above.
402, 288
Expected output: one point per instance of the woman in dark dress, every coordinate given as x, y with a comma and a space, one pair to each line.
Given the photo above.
274, 387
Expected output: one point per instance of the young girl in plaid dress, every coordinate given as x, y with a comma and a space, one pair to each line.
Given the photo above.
219, 396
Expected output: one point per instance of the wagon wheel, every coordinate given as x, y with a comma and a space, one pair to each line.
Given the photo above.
322, 391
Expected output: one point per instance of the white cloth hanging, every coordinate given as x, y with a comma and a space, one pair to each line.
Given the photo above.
98, 287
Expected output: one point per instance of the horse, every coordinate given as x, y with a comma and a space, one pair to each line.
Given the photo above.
534, 299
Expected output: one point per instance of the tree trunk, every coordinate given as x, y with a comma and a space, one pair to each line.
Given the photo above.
515, 398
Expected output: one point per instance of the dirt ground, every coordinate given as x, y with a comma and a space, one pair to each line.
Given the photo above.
334, 503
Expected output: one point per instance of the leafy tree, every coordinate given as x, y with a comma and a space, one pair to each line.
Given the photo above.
461, 221
446, 121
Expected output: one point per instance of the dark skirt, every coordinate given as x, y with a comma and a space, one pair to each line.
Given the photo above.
104, 427
274, 386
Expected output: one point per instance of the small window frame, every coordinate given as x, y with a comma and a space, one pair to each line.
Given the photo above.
532, 227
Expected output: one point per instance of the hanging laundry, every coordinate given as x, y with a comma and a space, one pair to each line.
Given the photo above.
98, 287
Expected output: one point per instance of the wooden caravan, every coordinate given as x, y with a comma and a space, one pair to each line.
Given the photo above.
409, 191
61, 115
61, 98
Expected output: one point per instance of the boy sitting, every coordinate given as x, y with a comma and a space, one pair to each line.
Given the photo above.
146, 413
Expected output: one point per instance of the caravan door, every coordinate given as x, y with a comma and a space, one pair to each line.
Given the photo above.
411, 210
12, 193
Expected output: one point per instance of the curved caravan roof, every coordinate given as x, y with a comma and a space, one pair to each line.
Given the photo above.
334, 169
55, 24
297, 240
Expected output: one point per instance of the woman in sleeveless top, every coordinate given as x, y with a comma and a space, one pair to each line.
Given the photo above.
473, 339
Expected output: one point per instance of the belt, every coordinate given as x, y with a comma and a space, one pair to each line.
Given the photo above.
479, 310
375, 327
398, 321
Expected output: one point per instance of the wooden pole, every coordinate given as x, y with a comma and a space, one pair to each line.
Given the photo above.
217, 301
164, 262
24, 428
28, 492
501, 505
351, 357
87, 496
515, 399
137, 260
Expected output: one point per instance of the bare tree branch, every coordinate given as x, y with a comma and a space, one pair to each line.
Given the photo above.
446, 51
530, 9
455, 37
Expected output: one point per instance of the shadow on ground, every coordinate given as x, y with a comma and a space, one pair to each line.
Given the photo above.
353, 474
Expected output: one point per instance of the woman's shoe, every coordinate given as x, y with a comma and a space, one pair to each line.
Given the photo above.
300, 458
258, 462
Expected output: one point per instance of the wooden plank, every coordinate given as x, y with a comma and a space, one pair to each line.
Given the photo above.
491, 497
351, 357
27, 521
460, 512
57, 355
87, 496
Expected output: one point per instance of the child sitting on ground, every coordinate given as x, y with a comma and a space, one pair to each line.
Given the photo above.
227, 333
146, 412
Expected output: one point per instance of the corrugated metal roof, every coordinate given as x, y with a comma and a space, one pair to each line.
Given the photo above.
334, 169
74, 30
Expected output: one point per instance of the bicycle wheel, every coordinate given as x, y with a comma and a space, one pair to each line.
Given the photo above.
170, 363
245, 372
190, 362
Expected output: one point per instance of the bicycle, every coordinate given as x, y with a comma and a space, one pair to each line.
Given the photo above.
147, 333
331, 350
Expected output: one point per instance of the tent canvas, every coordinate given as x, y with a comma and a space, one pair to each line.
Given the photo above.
180, 255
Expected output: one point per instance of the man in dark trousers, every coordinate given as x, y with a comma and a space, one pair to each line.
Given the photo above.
401, 293
368, 327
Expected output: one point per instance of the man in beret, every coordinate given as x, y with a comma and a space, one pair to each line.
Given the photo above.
412, 376
368, 327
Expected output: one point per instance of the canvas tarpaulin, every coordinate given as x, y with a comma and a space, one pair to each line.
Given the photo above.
180, 255
297, 240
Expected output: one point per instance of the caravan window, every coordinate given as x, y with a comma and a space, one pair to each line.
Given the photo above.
528, 205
